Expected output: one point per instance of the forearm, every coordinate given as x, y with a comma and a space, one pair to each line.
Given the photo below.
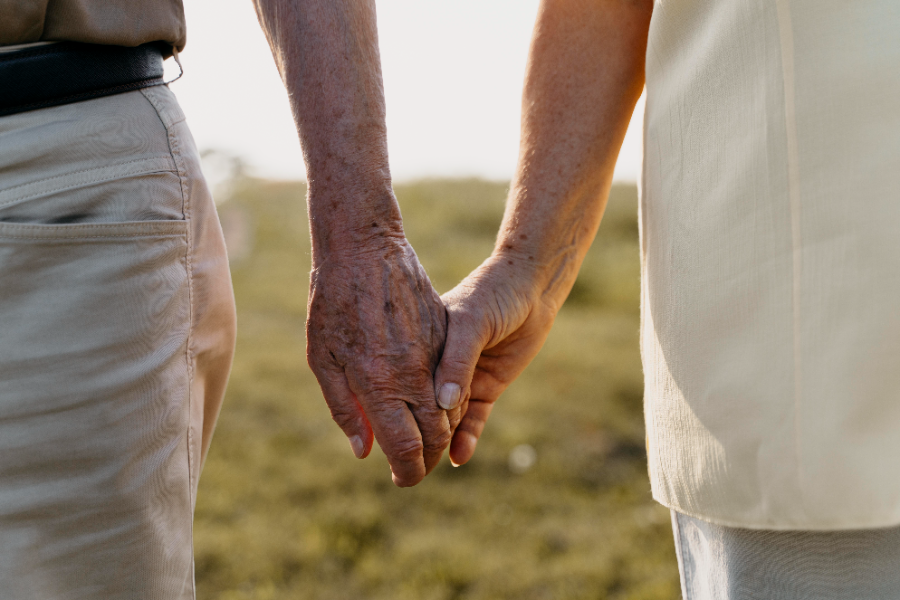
375, 326
584, 76
327, 54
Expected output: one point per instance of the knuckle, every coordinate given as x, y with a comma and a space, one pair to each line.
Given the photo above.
320, 359
407, 450
455, 416
407, 386
390, 413
458, 362
378, 383
438, 442
343, 416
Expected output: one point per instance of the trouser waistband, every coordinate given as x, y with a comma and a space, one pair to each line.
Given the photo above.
70, 72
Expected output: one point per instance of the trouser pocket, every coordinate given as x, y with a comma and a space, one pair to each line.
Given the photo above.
95, 488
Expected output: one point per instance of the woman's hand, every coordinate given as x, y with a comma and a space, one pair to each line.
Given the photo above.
498, 320
585, 73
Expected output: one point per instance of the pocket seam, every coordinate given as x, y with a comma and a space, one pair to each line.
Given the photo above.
73, 185
150, 94
132, 229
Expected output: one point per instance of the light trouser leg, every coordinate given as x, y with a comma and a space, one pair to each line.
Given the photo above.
116, 336
729, 563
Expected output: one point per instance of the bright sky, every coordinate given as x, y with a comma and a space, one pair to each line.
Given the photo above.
452, 74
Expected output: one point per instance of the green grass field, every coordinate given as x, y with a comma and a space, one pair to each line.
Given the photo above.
285, 511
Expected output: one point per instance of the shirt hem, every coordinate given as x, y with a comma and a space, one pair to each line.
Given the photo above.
778, 525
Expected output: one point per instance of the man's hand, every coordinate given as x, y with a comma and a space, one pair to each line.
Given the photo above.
375, 330
375, 325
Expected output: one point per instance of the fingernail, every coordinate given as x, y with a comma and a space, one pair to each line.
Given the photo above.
356, 445
453, 463
449, 396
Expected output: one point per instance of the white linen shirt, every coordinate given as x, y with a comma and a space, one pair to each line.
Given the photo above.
770, 241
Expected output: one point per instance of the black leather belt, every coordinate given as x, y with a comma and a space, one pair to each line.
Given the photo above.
67, 72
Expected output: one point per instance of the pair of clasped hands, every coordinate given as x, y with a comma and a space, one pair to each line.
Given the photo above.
418, 372
397, 363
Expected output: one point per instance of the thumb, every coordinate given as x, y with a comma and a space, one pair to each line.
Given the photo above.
462, 349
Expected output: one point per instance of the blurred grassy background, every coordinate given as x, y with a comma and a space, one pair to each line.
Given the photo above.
555, 503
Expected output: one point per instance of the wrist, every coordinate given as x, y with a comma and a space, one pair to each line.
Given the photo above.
547, 274
349, 220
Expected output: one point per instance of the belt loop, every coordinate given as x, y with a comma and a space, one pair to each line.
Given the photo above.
178, 62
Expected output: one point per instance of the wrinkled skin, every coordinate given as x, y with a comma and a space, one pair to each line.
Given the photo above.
497, 322
375, 325
375, 332
585, 73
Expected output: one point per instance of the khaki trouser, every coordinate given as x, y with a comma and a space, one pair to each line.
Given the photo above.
117, 330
